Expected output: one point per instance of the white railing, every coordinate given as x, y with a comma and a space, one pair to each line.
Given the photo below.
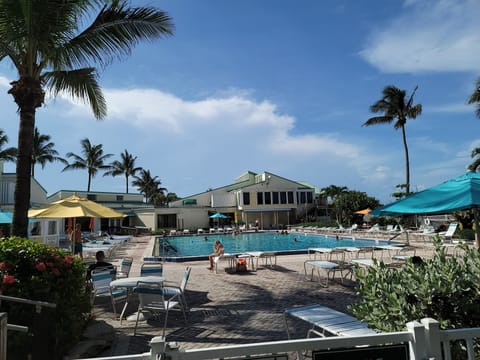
4, 326
425, 341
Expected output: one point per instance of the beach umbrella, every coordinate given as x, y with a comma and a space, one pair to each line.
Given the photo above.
6, 217
73, 207
218, 216
364, 211
460, 193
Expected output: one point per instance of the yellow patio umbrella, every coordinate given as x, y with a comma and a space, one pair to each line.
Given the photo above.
363, 212
73, 207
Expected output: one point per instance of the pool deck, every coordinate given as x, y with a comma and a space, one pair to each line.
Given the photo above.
226, 308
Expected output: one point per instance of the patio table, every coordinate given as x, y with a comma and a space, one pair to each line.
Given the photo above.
130, 283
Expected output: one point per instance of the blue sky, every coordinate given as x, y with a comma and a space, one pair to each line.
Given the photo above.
281, 86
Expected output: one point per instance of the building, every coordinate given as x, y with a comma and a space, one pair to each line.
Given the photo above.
264, 201
267, 200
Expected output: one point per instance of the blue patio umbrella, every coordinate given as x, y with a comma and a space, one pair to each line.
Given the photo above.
6, 217
460, 193
218, 216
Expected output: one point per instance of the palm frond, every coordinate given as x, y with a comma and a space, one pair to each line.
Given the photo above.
80, 84
475, 98
114, 32
378, 120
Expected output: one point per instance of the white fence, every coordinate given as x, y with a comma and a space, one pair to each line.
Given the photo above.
421, 340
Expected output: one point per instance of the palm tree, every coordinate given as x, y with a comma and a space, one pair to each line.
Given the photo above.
333, 192
126, 167
43, 151
475, 165
52, 46
394, 105
475, 98
93, 160
149, 186
8, 154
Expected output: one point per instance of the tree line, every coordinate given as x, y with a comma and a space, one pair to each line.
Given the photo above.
93, 159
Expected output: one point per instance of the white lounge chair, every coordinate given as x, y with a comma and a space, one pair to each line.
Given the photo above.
448, 235
325, 320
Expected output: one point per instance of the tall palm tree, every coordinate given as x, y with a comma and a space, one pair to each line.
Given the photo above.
475, 98
124, 167
93, 160
395, 106
149, 186
8, 154
52, 46
43, 151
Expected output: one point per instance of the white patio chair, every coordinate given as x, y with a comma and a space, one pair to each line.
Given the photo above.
101, 279
151, 269
125, 266
152, 300
174, 291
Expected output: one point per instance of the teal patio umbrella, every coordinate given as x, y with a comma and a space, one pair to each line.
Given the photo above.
6, 217
460, 193
218, 216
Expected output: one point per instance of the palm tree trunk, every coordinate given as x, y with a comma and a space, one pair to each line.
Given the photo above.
28, 95
89, 181
126, 182
23, 168
407, 162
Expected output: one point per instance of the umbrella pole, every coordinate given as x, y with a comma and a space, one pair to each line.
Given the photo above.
477, 230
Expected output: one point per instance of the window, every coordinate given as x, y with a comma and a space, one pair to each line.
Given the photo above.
52, 227
246, 198
275, 197
92, 197
290, 197
36, 228
259, 198
310, 197
119, 197
268, 198
302, 198
283, 197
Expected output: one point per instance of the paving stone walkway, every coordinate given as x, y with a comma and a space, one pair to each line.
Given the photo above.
226, 308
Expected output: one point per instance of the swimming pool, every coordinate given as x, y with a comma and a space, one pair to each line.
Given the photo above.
180, 248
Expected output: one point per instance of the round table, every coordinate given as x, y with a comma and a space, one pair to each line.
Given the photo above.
130, 283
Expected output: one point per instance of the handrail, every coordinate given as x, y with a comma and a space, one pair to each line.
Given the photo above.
38, 304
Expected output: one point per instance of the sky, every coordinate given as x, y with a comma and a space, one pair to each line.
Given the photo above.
281, 86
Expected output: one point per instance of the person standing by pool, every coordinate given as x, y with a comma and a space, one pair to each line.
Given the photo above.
218, 250
77, 238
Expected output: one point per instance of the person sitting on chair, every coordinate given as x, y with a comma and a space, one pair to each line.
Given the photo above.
101, 263
218, 250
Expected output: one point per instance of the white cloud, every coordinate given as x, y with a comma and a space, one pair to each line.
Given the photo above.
431, 35
455, 108
4, 82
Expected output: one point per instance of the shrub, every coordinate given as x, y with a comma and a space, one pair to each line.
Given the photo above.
444, 288
34, 271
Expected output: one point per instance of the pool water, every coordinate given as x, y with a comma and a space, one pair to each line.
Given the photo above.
202, 245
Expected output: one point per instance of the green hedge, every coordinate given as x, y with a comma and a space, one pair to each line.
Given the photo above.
34, 271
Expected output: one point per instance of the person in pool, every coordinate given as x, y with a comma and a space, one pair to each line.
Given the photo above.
218, 250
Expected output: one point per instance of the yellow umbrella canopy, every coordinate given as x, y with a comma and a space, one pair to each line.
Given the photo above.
73, 207
364, 211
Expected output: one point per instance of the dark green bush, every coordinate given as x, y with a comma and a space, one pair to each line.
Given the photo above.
34, 271
444, 288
